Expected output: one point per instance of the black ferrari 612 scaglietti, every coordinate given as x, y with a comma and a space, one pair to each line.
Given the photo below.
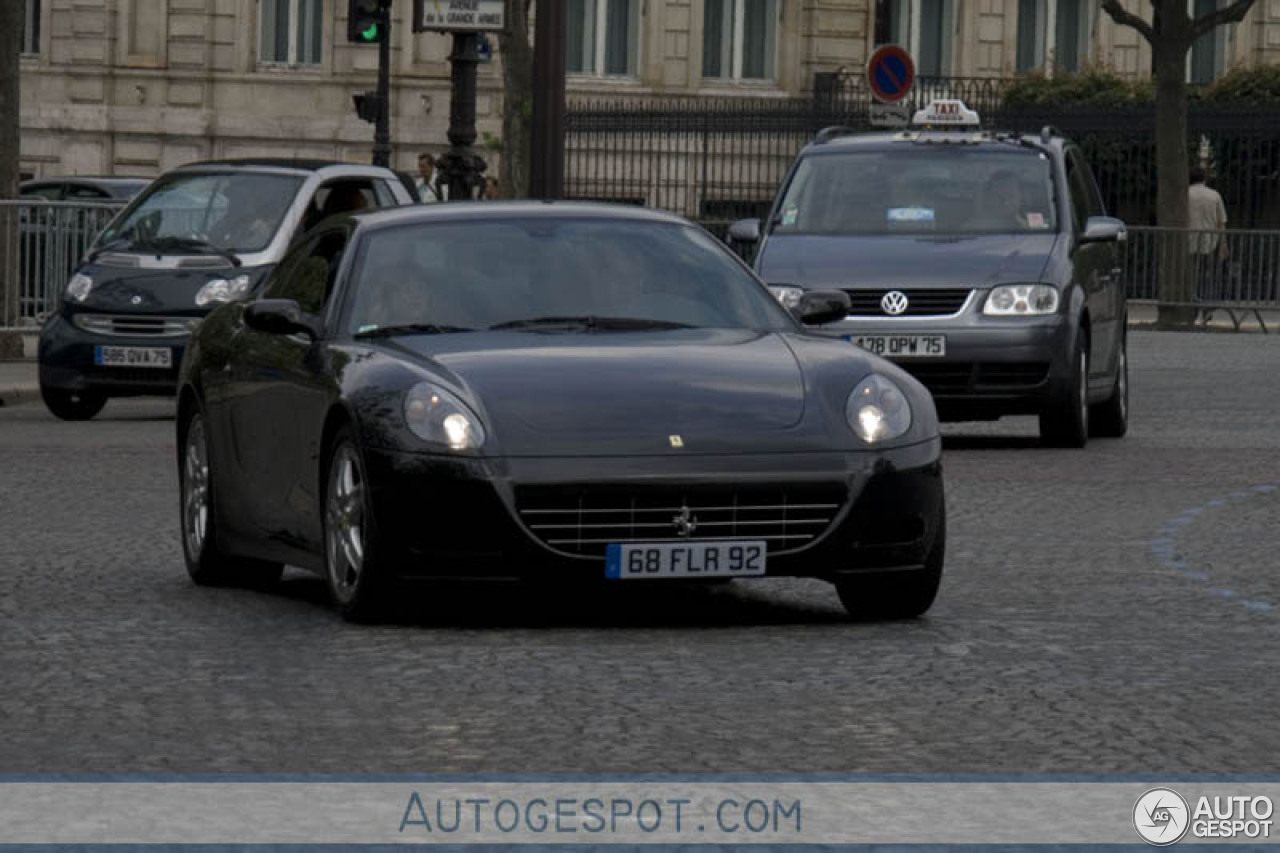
555, 391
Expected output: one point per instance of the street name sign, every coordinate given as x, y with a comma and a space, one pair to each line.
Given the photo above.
466, 16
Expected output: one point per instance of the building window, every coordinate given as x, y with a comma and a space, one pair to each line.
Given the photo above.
31, 28
740, 39
893, 22
1070, 28
602, 37
291, 31
922, 27
1208, 53
1030, 34
1064, 24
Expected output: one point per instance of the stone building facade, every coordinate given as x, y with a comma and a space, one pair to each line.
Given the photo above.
140, 86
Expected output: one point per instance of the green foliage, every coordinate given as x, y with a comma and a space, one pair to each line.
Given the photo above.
490, 142
1260, 84
1094, 88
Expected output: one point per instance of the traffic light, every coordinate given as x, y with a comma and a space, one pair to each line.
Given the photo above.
364, 21
368, 105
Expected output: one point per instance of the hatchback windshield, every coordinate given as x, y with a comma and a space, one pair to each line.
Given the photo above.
555, 272
238, 212
949, 191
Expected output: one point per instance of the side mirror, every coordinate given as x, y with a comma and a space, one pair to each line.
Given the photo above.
1103, 229
279, 317
745, 231
822, 306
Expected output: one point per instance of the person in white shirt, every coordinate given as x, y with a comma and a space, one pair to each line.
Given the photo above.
1207, 219
430, 188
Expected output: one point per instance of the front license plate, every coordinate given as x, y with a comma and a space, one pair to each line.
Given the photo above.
133, 356
685, 560
903, 346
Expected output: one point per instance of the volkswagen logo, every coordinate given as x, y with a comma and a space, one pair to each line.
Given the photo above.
685, 523
137, 300
894, 302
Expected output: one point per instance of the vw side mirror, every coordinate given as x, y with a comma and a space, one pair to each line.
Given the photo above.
745, 231
1103, 229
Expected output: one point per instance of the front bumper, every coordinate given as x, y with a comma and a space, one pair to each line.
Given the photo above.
993, 365
66, 359
445, 517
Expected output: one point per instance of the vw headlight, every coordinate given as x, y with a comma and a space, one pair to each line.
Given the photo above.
223, 290
435, 415
789, 295
878, 410
1021, 300
79, 286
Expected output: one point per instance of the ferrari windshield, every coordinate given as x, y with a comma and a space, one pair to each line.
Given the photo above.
555, 274
945, 190
236, 212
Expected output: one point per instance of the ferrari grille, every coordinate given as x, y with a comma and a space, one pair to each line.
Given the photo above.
582, 521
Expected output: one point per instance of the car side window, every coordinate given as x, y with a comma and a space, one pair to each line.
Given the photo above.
48, 192
308, 273
1085, 199
344, 195
87, 193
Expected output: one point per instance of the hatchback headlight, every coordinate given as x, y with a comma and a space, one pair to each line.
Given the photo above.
877, 410
1021, 300
788, 294
435, 415
223, 290
79, 286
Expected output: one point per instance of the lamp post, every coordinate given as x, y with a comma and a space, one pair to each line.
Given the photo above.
461, 168
546, 161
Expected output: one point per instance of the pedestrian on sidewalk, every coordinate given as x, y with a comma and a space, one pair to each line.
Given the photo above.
1207, 218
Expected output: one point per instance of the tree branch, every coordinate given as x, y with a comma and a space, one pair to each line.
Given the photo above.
1124, 17
1229, 15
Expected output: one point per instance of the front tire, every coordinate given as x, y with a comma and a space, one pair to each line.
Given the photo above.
1111, 419
205, 565
72, 405
359, 583
901, 595
1065, 421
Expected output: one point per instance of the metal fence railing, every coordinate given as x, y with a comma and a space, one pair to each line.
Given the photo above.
41, 242
1233, 270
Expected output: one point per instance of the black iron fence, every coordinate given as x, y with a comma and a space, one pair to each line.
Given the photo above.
718, 159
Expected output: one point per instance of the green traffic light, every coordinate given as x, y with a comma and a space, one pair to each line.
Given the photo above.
370, 34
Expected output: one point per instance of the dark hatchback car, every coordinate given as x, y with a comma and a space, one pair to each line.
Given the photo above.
559, 392
981, 262
198, 236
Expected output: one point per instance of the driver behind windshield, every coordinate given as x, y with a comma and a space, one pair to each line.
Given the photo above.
247, 222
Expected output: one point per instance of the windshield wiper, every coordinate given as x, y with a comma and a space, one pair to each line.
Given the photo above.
109, 246
191, 243
410, 329
591, 323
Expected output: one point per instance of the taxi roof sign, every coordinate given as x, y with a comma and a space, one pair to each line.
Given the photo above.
947, 113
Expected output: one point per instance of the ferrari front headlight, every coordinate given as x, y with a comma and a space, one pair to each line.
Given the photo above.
877, 410
435, 415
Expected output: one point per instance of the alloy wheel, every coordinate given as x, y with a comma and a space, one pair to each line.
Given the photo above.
345, 528
195, 489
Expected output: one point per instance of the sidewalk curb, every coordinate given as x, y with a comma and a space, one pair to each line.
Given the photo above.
18, 395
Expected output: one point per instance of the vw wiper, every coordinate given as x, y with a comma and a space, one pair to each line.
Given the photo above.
591, 323
193, 244
410, 329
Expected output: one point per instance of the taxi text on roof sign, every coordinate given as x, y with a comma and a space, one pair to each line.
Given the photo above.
949, 112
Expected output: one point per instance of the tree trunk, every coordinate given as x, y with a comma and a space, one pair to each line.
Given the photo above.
517, 101
1172, 180
12, 26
